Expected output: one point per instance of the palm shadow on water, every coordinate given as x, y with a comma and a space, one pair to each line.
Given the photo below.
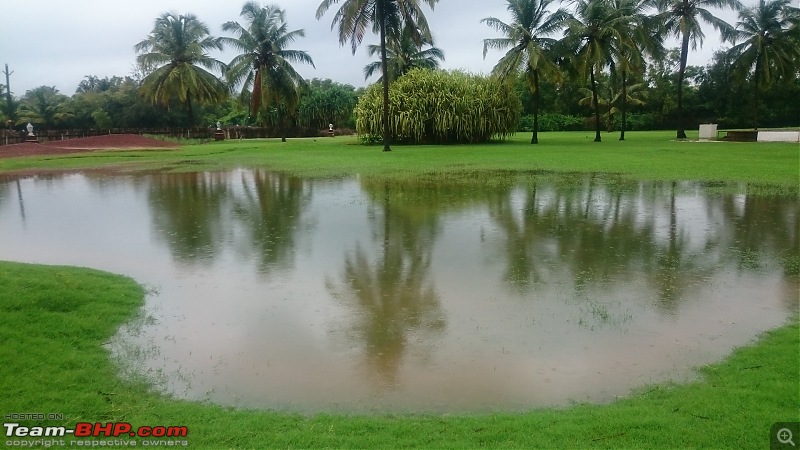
599, 233
604, 231
188, 213
766, 231
6, 195
583, 233
387, 283
270, 211
199, 215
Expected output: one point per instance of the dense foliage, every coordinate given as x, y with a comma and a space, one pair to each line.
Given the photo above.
326, 102
427, 106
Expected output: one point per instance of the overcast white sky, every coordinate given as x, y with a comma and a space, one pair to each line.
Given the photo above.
57, 42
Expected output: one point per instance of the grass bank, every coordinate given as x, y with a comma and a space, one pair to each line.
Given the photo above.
54, 322
643, 156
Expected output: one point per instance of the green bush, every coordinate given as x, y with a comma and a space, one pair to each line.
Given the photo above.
439, 107
552, 122
638, 122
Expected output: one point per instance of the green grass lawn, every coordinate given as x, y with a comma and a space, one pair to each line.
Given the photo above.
644, 155
55, 320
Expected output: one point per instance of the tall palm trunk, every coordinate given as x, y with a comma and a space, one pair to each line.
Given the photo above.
755, 93
681, 71
624, 101
190, 110
595, 105
385, 69
610, 112
535, 137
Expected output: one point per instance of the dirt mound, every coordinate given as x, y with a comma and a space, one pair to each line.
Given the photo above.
105, 142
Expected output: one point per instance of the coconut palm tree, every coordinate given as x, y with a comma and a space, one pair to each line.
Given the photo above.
264, 66
596, 37
404, 53
177, 49
44, 106
766, 50
682, 18
529, 46
615, 98
353, 18
645, 38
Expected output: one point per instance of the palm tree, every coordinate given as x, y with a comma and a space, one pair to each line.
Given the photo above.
91, 83
767, 50
354, 16
177, 49
615, 100
645, 38
681, 18
530, 47
404, 53
265, 63
596, 38
44, 106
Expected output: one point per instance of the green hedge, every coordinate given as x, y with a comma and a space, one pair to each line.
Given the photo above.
565, 122
552, 122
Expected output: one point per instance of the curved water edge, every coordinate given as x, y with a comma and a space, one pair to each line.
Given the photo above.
271, 291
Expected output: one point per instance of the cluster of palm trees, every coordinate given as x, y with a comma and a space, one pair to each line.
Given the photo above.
593, 37
620, 35
176, 55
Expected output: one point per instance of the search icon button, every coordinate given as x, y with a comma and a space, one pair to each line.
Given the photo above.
784, 436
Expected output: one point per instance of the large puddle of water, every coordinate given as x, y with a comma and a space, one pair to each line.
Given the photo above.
269, 291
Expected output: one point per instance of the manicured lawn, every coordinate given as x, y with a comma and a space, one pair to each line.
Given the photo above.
644, 155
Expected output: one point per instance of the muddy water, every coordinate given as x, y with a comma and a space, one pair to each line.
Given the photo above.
269, 291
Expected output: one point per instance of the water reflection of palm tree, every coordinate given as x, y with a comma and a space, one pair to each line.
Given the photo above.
673, 267
764, 223
598, 233
4, 188
187, 213
765, 229
567, 226
391, 291
525, 246
270, 209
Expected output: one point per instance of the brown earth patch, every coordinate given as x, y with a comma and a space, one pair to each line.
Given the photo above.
79, 145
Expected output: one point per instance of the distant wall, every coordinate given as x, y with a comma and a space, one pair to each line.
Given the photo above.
779, 136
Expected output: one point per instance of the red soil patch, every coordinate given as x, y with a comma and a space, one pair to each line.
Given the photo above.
78, 145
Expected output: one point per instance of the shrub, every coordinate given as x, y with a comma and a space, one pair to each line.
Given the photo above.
552, 122
440, 107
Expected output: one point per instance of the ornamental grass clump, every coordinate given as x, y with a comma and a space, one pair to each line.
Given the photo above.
440, 107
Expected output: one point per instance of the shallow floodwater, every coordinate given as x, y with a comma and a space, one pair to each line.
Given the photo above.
270, 291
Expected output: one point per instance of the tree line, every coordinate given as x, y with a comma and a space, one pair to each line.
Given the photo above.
600, 58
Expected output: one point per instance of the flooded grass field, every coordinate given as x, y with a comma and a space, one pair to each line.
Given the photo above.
275, 292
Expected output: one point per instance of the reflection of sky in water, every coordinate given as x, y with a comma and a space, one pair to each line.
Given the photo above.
278, 292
